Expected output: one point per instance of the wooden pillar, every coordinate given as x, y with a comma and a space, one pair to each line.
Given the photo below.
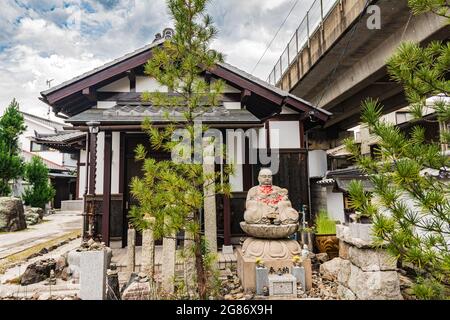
107, 188
92, 162
92, 214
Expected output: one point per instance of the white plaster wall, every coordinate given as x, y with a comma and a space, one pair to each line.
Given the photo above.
121, 85
115, 165
105, 104
149, 84
100, 162
335, 205
82, 174
284, 134
235, 149
317, 163
262, 138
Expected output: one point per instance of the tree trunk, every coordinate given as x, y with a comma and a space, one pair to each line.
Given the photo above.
201, 274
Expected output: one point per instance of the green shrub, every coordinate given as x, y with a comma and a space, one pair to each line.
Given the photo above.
41, 191
324, 225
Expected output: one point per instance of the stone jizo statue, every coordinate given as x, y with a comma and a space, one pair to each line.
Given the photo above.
269, 204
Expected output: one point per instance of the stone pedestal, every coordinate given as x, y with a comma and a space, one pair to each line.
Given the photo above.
274, 253
93, 275
366, 272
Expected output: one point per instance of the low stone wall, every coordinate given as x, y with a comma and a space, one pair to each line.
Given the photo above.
365, 272
72, 205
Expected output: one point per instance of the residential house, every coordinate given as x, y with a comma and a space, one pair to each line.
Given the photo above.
106, 104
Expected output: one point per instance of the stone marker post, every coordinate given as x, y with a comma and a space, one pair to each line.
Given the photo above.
189, 263
148, 250
209, 192
93, 275
262, 280
168, 263
131, 251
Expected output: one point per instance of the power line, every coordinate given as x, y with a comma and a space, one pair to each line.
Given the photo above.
271, 41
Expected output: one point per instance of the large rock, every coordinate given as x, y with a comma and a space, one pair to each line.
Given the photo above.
31, 218
12, 217
372, 259
377, 285
330, 269
38, 271
38, 211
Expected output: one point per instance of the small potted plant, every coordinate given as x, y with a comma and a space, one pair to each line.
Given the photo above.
325, 237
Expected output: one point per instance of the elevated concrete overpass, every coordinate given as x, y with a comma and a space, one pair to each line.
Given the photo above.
343, 62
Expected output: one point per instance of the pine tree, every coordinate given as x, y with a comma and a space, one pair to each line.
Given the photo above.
41, 191
11, 165
172, 192
410, 209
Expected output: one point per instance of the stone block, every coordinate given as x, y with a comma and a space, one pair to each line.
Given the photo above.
343, 274
376, 285
227, 249
93, 275
330, 269
372, 259
137, 291
300, 276
365, 231
284, 285
262, 279
73, 260
354, 229
343, 250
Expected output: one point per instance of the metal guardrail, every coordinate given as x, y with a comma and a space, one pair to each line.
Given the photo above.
310, 23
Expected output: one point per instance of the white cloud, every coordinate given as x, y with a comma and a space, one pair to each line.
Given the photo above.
56, 39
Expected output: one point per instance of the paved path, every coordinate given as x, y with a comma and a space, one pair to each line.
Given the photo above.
55, 225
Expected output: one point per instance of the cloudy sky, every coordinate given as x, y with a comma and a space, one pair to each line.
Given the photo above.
42, 40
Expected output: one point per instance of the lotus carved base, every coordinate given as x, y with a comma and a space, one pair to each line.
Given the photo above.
270, 249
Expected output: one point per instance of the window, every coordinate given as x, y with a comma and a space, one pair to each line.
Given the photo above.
36, 147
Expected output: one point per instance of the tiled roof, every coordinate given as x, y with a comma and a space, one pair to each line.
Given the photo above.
61, 136
136, 112
103, 67
27, 156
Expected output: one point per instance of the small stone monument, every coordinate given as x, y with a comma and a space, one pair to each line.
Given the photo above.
93, 265
282, 285
269, 220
